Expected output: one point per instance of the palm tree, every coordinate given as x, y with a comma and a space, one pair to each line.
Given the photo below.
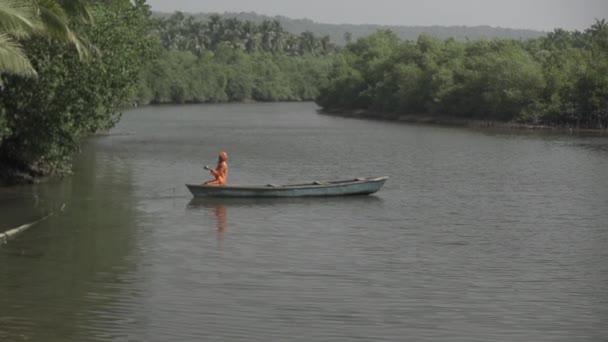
233, 31
55, 16
279, 36
199, 37
598, 27
325, 45
215, 27
20, 19
267, 35
599, 33
291, 45
559, 38
17, 20
251, 37
308, 42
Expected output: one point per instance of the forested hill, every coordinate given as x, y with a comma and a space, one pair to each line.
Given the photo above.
338, 32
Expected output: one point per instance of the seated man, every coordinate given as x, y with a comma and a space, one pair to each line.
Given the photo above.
221, 171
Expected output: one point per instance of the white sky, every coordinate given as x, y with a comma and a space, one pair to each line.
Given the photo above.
533, 14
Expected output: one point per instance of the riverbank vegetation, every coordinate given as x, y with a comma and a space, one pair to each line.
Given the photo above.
227, 60
70, 67
557, 80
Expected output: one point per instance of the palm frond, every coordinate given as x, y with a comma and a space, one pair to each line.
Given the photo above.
18, 17
83, 47
55, 23
53, 6
12, 59
78, 9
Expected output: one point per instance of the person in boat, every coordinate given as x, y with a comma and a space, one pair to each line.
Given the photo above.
220, 172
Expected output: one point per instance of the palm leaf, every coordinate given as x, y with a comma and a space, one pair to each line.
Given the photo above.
78, 9
18, 17
84, 47
55, 22
12, 59
54, 19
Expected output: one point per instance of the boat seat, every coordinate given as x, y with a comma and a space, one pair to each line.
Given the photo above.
319, 183
360, 179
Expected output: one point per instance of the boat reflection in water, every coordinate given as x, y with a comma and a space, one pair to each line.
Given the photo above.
256, 211
220, 213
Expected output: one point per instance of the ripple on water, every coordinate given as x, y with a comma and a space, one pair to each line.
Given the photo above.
477, 235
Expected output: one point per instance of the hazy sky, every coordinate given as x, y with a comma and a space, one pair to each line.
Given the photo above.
535, 14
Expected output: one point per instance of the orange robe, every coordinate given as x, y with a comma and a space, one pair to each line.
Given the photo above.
221, 171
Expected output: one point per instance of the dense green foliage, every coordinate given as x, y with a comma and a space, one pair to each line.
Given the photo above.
188, 34
43, 118
229, 75
229, 60
558, 79
342, 33
90, 59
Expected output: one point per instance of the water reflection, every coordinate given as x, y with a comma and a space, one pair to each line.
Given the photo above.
218, 214
221, 219
474, 238
209, 202
593, 145
78, 262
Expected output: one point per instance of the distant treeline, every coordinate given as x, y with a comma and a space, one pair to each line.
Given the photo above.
243, 57
559, 79
341, 34
68, 75
222, 60
230, 75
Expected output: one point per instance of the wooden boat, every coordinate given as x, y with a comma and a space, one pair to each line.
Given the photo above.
357, 186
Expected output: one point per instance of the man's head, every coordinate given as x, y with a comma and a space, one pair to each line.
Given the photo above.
223, 156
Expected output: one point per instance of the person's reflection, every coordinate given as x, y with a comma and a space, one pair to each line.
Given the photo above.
221, 217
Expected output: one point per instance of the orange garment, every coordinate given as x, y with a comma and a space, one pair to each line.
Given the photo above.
221, 171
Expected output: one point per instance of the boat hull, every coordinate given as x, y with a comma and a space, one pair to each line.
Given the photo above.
359, 186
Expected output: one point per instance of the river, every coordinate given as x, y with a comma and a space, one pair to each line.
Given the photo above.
478, 235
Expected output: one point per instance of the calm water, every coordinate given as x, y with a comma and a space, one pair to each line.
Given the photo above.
477, 235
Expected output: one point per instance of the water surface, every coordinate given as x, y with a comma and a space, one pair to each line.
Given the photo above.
477, 235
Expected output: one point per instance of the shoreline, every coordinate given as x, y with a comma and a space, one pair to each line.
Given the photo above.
14, 176
424, 119
136, 104
11, 175
439, 120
